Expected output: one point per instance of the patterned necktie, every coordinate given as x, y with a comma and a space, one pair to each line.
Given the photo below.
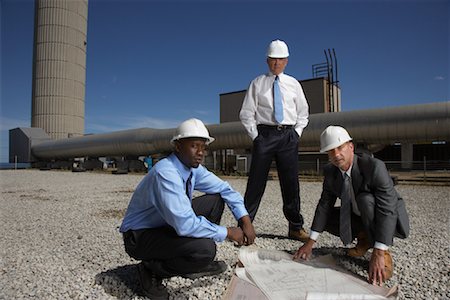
189, 187
345, 227
277, 101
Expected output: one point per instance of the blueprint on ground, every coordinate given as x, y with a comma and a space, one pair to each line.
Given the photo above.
278, 277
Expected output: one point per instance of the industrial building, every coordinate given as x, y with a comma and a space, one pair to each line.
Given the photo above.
56, 138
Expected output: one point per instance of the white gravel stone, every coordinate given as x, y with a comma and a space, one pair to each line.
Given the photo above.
60, 239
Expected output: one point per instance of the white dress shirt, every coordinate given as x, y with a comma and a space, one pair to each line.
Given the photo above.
257, 107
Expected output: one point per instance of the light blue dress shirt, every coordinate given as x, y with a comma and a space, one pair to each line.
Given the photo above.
160, 200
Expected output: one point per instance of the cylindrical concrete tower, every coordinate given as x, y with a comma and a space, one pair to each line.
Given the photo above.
59, 67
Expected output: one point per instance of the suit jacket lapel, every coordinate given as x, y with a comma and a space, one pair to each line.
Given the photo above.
339, 180
356, 175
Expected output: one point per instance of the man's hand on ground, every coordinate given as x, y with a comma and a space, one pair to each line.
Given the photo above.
236, 235
377, 273
249, 231
305, 251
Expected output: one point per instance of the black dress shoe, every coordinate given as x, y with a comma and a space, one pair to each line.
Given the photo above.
151, 285
157, 268
213, 268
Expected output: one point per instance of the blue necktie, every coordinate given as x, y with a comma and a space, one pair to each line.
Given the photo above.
189, 187
345, 215
277, 101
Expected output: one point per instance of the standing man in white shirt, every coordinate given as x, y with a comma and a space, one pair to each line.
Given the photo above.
274, 113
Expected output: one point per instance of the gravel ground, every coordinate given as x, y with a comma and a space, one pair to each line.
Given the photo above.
60, 239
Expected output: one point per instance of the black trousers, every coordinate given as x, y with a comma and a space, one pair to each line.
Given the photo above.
281, 145
166, 253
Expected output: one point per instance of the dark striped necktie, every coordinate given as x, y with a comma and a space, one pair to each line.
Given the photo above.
189, 187
345, 226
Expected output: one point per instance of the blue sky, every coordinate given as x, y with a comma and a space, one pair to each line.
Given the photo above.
157, 63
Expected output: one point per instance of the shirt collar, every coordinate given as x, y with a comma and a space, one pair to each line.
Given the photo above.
182, 169
349, 172
273, 75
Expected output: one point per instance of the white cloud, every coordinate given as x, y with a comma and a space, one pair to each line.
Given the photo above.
104, 124
439, 78
108, 124
153, 122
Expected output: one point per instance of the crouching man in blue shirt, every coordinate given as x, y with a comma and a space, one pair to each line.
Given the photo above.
173, 234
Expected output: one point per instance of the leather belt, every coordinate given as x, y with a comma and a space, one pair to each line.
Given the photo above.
276, 127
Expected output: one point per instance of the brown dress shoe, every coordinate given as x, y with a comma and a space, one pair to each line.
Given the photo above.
361, 247
299, 235
388, 264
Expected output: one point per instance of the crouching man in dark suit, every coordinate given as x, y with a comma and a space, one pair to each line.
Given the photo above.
371, 209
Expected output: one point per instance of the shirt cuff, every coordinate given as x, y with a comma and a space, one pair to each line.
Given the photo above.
380, 246
221, 234
240, 214
299, 131
314, 235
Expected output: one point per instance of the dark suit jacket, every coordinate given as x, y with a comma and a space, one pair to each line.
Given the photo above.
369, 175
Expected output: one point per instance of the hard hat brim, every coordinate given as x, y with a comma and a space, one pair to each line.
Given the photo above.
332, 146
277, 56
208, 139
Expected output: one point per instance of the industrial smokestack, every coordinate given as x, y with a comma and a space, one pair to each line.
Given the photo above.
59, 67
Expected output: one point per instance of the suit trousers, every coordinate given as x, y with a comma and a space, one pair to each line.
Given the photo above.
366, 222
333, 223
166, 253
280, 145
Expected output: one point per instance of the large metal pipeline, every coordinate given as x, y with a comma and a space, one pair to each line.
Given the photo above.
423, 123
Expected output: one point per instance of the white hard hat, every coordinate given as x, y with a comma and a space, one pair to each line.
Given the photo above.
333, 137
278, 49
192, 128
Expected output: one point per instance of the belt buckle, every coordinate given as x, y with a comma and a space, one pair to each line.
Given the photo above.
279, 127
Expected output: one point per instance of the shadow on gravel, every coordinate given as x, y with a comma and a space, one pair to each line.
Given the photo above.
272, 236
343, 261
116, 281
123, 283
